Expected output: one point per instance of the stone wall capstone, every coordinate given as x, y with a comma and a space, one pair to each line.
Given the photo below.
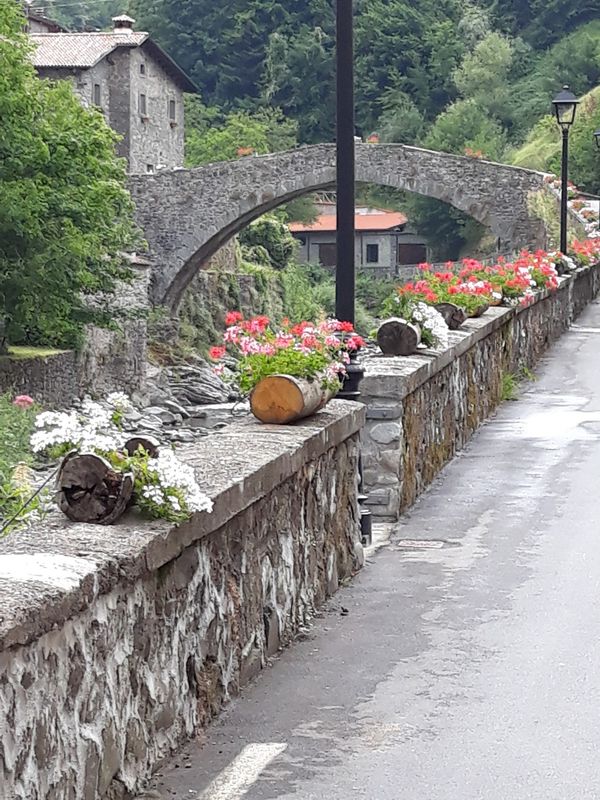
423, 409
118, 644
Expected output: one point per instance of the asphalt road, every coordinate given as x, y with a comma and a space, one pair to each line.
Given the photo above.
468, 666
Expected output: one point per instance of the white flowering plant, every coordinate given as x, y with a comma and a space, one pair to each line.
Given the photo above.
434, 330
164, 487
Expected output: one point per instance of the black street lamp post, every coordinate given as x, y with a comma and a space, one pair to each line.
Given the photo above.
565, 107
345, 276
345, 270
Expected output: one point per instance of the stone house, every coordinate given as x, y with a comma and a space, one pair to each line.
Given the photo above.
384, 242
38, 23
125, 74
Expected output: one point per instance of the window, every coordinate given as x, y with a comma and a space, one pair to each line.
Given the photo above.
142, 69
143, 106
97, 95
328, 255
372, 254
172, 111
149, 167
409, 254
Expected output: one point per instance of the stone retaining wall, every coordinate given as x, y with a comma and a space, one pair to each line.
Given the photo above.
109, 360
51, 380
423, 409
117, 644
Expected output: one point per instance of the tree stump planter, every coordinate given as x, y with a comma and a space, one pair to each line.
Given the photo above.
480, 311
90, 490
281, 399
397, 337
453, 315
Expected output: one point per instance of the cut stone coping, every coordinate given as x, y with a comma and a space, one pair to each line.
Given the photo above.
55, 569
417, 369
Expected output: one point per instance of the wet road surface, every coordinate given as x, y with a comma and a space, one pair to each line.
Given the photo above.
468, 666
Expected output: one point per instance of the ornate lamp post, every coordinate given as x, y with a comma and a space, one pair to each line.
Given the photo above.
565, 108
345, 276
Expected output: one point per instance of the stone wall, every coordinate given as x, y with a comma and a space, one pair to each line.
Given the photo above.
156, 141
423, 409
109, 360
51, 380
117, 644
115, 360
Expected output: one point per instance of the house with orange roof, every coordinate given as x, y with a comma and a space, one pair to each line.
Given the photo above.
384, 242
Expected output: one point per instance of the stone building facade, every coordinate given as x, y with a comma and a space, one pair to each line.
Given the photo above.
384, 242
135, 84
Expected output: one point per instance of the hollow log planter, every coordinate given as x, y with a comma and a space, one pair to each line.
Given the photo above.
479, 312
397, 337
281, 399
453, 315
90, 490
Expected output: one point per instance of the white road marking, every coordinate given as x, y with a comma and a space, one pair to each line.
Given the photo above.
245, 770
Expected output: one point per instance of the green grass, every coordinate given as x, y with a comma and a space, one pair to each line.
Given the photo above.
509, 387
22, 353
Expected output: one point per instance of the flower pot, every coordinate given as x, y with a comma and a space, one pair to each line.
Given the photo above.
90, 490
397, 337
453, 315
281, 399
479, 312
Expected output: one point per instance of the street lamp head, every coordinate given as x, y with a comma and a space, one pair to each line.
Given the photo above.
565, 106
597, 138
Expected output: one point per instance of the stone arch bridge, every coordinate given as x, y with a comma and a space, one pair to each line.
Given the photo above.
187, 215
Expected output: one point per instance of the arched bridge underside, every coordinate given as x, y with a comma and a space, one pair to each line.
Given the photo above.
187, 215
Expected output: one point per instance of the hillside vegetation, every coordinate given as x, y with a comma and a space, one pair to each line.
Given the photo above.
463, 77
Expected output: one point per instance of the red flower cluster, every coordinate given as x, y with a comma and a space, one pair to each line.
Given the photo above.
306, 349
471, 285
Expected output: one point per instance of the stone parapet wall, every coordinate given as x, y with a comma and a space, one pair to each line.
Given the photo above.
110, 359
423, 409
117, 644
51, 380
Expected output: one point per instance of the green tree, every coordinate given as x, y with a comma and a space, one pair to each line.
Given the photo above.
241, 132
84, 14
483, 75
65, 215
298, 78
465, 125
272, 235
401, 121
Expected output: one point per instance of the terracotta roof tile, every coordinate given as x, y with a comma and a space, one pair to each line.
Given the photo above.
384, 221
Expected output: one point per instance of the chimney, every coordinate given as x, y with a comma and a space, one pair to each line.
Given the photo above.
123, 24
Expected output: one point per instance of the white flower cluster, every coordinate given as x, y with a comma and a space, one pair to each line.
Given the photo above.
93, 427
428, 317
119, 401
171, 473
89, 428
566, 261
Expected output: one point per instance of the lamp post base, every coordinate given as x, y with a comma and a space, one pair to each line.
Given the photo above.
351, 391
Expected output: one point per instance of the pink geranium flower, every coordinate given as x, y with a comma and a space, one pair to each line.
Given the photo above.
23, 401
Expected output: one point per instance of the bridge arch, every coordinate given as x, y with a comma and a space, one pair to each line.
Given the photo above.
187, 215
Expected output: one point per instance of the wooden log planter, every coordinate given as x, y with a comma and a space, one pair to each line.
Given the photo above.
90, 490
397, 337
281, 399
453, 315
